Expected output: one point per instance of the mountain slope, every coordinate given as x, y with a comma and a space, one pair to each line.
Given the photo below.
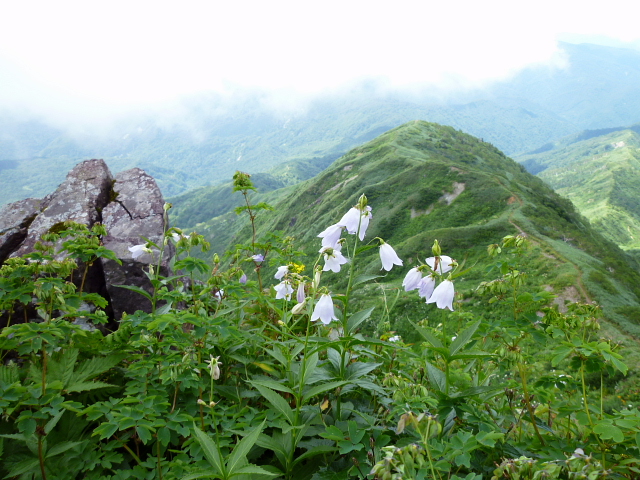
425, 182
601, 175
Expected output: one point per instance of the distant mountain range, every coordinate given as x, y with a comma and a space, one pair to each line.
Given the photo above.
426, 181
211, 137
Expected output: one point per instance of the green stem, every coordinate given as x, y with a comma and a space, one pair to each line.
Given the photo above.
527, 401
41, 458
253, 229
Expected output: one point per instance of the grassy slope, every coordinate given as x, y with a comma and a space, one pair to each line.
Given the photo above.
601, 176
405, 174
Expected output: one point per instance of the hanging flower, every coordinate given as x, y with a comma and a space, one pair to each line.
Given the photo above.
395, 338
443, 295
412, 279
214, 367
300, 296
258, 258
179, 236
389, 257
331, 235
283, 290
243, 279
323, 310
332, 259
354, 218
426, 286
282, 271
444, 263
139, 250
219, 294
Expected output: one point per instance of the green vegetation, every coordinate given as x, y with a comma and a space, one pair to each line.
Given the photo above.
223, 381
600, 174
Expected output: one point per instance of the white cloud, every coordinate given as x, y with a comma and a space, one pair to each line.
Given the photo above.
81, 56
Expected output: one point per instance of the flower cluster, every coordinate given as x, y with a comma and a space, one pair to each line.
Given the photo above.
356, 222
437, 266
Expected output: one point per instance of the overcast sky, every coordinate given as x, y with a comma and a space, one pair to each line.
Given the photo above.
66, 58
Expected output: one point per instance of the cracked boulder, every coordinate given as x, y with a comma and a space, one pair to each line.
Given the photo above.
136, 211
79, 198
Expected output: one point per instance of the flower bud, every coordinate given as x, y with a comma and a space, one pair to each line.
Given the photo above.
437, 251
216, 258
362, 202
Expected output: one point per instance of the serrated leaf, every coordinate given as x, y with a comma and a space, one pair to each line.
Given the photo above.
241, 451
105, 430
253, 470
318, 389
428, 336
62, 447
210, 450
463, 338
436, 377
272, 384
85, 386
279, 403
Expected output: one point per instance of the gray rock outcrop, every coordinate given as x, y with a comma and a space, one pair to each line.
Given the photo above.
79, 198
136, 212
130, 206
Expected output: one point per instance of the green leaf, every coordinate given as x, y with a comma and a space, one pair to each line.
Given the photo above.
211, 451
144, 433
279, 403
436, 377
426, 334
208, 474
318, 389
105, 430
272, 384
62, 447
357, 318
463, 338
253, 470
309, 365
365, 278
241, 451
137, 290
52, 423
607, 431
23, 467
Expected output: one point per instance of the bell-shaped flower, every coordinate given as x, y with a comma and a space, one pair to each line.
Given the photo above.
444, 263
332, 259
323, 310
139, 250
243, 279
300, 296
443, 295
214, 367
412, 279
426, 286
258, 258
282, 271
355, 218
219, 294
283, 290
389, 257
331, 235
